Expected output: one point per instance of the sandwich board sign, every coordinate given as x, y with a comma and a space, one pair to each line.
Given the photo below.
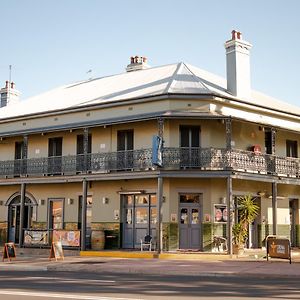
56, 251
279, 247
9, 251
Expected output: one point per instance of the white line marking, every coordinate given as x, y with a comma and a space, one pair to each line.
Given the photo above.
62, 295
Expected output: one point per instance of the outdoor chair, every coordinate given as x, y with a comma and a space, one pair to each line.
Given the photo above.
146, 242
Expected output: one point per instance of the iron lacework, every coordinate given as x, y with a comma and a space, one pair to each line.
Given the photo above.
141, 160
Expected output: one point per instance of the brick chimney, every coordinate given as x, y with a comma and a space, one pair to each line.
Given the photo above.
238, 66
8, 94
137, 63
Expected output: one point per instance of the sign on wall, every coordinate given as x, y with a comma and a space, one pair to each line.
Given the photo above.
220, 213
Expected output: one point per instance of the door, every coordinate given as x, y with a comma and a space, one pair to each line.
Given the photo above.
189, 146
139, 219
14, 214
19, 163
190, 235
80, 159
56, 214
54, 155
125, 149
291, 148
294, 220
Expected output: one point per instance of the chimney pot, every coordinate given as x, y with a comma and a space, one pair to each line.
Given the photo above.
6, 83
12, 85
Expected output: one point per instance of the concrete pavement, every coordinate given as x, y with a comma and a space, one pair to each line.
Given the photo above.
252, 263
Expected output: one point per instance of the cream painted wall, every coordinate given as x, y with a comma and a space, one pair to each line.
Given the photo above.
246, 135
7, 148
5, 193
281, 137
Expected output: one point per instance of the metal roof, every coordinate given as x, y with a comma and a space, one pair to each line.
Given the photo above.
179, 78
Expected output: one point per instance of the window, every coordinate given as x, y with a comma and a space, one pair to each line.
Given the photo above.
291, 148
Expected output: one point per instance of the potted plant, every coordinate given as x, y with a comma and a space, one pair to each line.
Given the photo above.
247, 211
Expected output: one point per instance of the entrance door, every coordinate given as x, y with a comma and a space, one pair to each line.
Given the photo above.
14, 213
190, 235
139, 219
293, 221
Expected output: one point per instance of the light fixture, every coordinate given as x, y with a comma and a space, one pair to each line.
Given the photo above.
41, 201
70, 201
105, 200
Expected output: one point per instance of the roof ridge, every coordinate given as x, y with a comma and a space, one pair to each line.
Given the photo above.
195, 76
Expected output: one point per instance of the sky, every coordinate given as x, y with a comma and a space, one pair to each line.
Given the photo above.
56, 42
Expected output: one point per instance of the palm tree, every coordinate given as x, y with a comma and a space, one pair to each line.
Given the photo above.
248, 211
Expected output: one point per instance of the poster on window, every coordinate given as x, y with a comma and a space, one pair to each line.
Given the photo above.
220, 213
68, 238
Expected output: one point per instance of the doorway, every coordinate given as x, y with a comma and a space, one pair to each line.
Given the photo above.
294, 220
190, 218
139, 219
14, 216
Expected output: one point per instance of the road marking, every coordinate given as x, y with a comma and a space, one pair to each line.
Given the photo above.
62, 295
71, 280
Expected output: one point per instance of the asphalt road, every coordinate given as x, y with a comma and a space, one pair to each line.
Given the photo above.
112, 286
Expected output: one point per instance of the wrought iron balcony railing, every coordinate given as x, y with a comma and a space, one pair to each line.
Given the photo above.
136, 160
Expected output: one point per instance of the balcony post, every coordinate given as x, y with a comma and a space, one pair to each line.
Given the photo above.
85, 148
22, 205
274, 207
24, 156
83, 214
228, 126
229, 207
159, 214
160, 125
273, 140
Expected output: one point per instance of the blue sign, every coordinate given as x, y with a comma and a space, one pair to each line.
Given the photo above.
157, 147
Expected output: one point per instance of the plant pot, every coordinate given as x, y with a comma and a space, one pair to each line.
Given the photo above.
237, 249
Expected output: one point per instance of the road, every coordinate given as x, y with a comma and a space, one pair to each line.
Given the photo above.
112, 286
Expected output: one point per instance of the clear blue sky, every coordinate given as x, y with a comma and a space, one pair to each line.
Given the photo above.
51, 43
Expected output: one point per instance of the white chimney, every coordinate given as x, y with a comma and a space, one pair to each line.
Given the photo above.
9, 95
238, 66
137, 63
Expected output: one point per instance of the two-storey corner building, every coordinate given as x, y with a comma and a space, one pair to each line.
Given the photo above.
77, 161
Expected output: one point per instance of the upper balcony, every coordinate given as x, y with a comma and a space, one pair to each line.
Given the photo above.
141, 160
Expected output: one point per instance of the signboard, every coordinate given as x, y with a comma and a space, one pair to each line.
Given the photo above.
35, 237
56, 251
220, 213
9, 251
278, 248
68, 238
157, 145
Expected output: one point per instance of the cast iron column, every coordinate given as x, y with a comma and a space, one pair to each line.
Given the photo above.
229, 221
24, 155
159, 214
83, 215
228, 126
274, 206
22, 203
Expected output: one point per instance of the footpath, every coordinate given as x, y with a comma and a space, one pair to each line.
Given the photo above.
252, 263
